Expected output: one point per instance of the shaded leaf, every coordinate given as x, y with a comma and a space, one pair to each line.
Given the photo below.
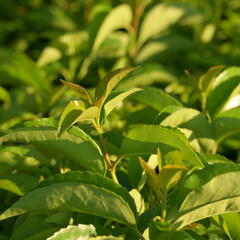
33, 228
19, 66
18, 183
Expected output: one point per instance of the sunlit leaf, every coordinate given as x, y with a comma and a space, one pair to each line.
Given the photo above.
145, 139
155, 98
227, 124
80, 192
120, 17
208, 192
77, 148
165, 15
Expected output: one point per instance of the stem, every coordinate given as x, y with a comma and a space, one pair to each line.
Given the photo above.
104, 150
139, 234
113, 169
114, 176
164, 205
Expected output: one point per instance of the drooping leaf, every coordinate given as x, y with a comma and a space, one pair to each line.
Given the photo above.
208, 192
77, 148
81, 192
155, 98
191, 119
120, 17
227, 124
164, 15
145, 139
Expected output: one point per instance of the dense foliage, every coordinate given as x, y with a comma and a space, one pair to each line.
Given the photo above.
119, 120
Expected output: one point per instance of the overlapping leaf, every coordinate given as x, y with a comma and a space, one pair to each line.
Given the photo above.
75, 147
145, 139
208, 192
81, 192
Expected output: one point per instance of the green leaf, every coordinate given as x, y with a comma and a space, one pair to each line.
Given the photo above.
18, 66
208, 192
5, 96
145, 139
90, 114
120, 17
147, 75
74, 232
69, 115
106, 238
164, 14
152, 178
49, 55
75, 146
18, 183
108, 83
191, 119
226, 87
169, 176
207, 80
155, 98
227, 124
33, 227
163, 230
232, 223
81, 192
82, 92
118, 98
